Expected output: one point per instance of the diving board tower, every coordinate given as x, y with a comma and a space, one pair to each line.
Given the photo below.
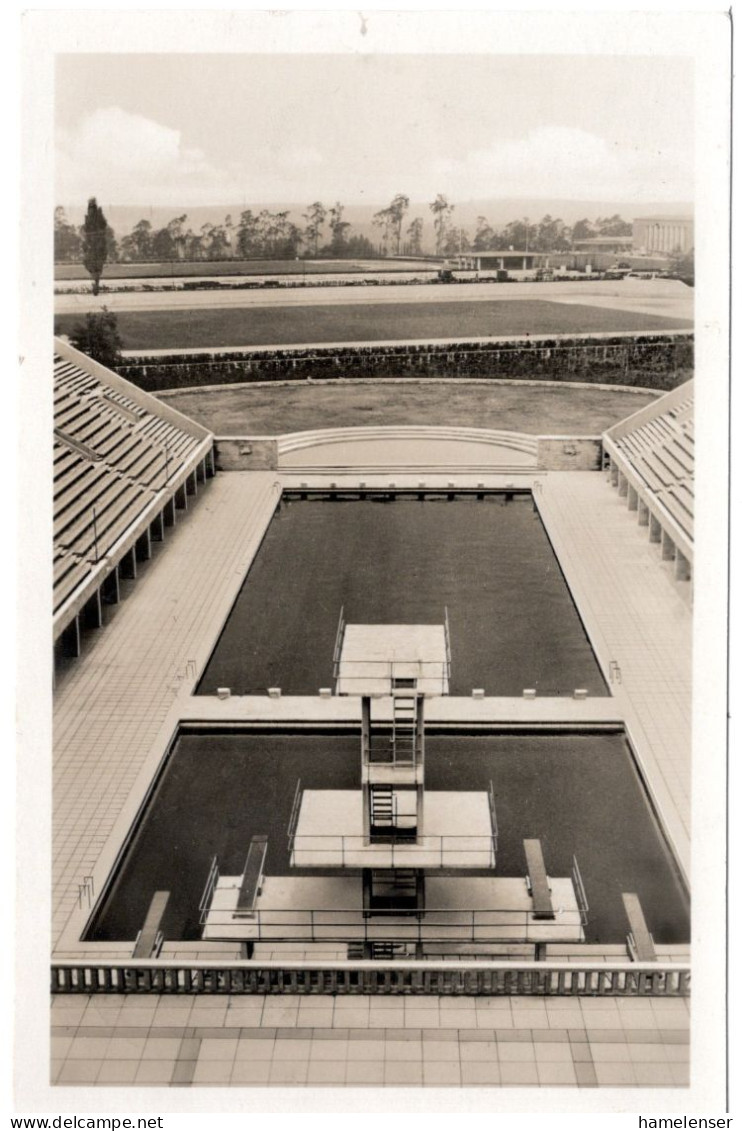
391, 869
393, 667
393, 830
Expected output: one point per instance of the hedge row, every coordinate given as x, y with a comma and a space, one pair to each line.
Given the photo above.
659, 361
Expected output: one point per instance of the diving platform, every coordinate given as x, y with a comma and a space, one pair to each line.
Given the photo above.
457, 830
329, 909
381, 857
377, 659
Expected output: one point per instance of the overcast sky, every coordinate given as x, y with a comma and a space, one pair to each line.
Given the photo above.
212, 129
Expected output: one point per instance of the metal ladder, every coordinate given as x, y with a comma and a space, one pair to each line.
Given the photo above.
382, 807
404, 727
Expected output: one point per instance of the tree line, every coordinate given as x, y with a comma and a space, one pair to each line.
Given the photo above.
324, 233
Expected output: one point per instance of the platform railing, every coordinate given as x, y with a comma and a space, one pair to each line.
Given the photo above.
444, 851
437, 671
491, 979
339, 925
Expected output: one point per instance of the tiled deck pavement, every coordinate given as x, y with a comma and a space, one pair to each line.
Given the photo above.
370, 1041
108, 710
109, 705
638, 615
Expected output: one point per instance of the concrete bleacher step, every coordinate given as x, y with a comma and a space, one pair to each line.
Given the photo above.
667, 468
149, 469
94, 431
76, 483
683, 453
73, 418
665, 456
69, 571
110, 456
683, 498
95, 492
115, 500
126, 402
119, 523
648, 459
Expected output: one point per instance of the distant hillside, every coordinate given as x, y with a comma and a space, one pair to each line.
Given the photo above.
498, 213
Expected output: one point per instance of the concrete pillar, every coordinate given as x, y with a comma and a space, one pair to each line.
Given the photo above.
70, 639
632, 498
92, 613
168, 512
210, 464
181, 498
655, 530
643, 513
143, 547
668, 547
110, 589
682, 567
157, 529
128, 565
623, 485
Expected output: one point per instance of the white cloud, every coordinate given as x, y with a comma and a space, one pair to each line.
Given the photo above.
297, 158
560, 162
125, 158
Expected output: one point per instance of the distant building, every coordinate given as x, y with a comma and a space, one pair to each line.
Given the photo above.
667, 234
516, 263
605, 245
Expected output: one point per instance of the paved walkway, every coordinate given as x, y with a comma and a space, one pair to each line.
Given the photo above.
638, 617
356, 1041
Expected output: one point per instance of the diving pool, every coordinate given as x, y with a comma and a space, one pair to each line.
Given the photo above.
578, 792
405, 560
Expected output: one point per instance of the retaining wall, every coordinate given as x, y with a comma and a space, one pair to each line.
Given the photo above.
656, 361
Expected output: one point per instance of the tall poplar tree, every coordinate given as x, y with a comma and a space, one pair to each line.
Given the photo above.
94, 242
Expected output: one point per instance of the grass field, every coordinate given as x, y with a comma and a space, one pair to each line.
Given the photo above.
235, 267
424, 321
534, 409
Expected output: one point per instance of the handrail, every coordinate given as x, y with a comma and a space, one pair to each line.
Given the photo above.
396, 976
211, 881
579, 891
294, 815
447, 637
493, 814
338, 642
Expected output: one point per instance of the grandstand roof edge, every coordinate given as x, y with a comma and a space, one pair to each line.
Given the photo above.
121, 384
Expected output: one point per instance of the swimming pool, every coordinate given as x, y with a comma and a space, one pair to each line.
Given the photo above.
405, 560
578, 791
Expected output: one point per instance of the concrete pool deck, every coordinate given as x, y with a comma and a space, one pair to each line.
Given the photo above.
141, 669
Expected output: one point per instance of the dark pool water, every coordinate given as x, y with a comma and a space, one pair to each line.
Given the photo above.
512, 620
579, 793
